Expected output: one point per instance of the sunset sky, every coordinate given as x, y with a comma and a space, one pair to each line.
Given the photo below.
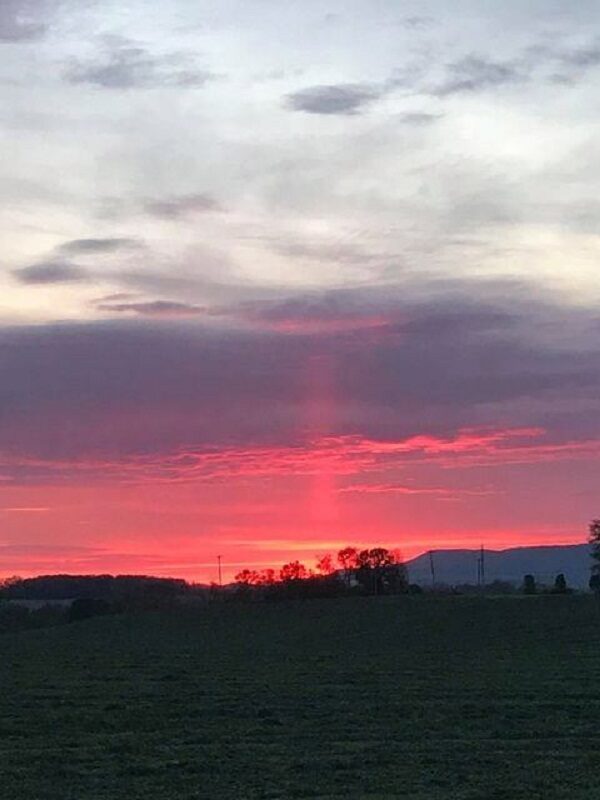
279, 277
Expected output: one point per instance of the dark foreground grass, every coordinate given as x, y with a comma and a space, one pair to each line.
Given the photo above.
412, 697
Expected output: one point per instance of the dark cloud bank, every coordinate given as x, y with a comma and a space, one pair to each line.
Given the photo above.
385, 365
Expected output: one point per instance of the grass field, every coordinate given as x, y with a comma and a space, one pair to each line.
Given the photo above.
410, 697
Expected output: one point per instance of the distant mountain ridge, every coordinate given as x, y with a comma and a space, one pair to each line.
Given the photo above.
545, 563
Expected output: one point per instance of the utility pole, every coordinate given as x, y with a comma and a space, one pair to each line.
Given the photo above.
432, 567
220, 576
482, 567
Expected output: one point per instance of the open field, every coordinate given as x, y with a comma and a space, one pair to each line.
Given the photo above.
412, 697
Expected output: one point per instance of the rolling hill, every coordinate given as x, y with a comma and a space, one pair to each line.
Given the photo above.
460, 566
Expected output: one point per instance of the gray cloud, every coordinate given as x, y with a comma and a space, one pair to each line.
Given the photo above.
97, 246
115, 297
469, 74
573, 64
57, 270
51, 272
126, 65
154, 308
176, 207
475, 73
344, 98
584, 57
418, 118
418, 23
19, 20
470, 354
339, 252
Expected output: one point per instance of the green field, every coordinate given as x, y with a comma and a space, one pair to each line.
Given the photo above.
412, 697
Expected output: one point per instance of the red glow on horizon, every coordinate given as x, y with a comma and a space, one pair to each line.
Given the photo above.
263, 506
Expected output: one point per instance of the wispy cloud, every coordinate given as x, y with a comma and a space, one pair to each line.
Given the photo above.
475, 73
51, 272
124, 64
173, 208
444, 492
573, 63
335, 456
583, 57
26, 510
167, 309
97, 246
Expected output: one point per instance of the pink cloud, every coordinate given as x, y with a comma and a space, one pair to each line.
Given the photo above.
327, 455
395, 488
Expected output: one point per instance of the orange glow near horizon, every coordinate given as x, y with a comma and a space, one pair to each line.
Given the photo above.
259, 521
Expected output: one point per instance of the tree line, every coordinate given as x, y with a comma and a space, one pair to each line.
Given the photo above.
373, 571
36, 602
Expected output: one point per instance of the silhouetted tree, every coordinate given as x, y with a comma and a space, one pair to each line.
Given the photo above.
247, 577
128, 590
380, 571
347, 559
13, 580
595, 583
529, 586
294, 571
560, 584
267, 577
325, 564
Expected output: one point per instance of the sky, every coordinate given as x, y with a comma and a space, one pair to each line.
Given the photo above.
277, 278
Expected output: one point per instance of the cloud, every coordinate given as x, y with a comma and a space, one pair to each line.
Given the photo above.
115, 297
26, 510
315, 314
97, 246
364, 365
584, 57
123, 64
322, 250
573, 63
58, 270
341, 99
418, 23
419, 118
409, 490
468, 74
19, 20
155, 308
474, 73
342, 457
173, 208
51, 272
